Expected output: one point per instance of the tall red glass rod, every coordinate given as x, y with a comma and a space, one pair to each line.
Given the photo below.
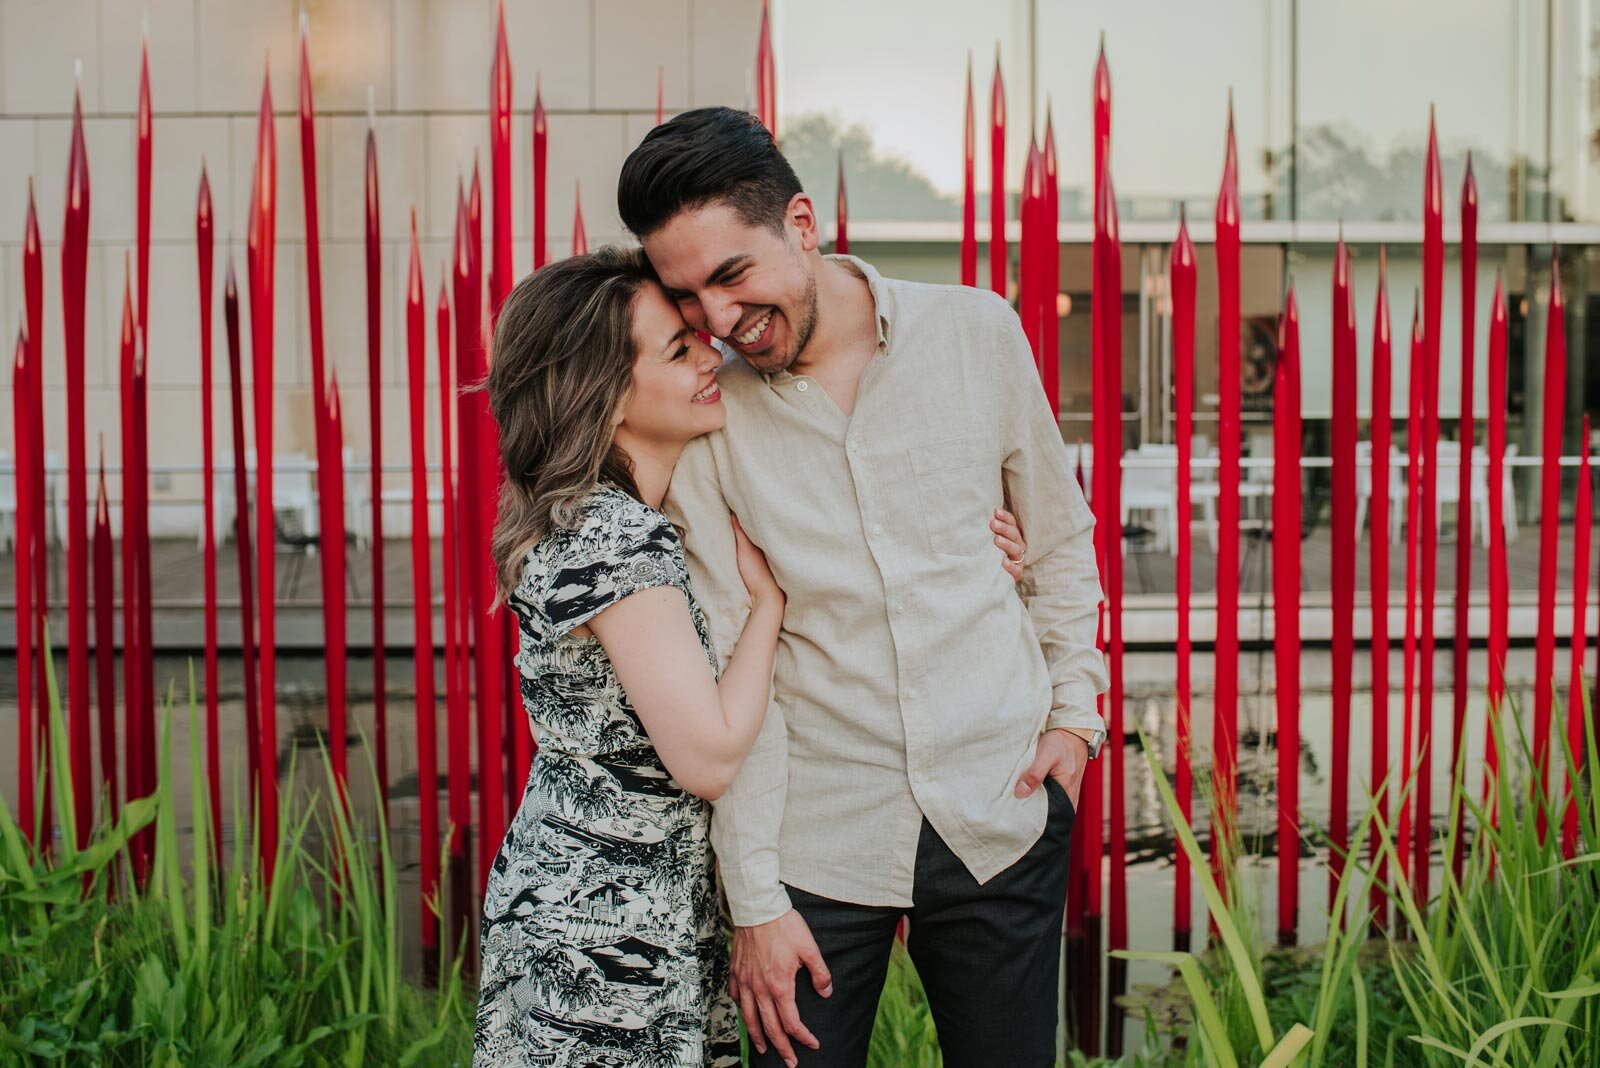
999, 257
422, 597
1229, 388
1286, 599
74, 280
1182, 286
204, 233
1555, 398
1462, 637
1432, 312
1381, 434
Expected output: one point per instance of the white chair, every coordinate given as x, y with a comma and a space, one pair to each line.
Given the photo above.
223, 512
1397, 491
1153, 489
1204, 488
357, 497
1508, 495
294, 488
1449, 492
1082, 453
8, 500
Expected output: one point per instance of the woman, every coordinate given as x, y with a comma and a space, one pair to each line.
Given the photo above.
601, 938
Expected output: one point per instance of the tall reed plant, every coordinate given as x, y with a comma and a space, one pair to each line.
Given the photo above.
210, 964
1501, 968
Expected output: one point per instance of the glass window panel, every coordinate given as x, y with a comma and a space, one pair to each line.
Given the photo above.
886, 82
1368, 72
1170, 77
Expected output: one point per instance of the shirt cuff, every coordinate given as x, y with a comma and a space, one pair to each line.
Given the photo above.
1084, 722
755, 894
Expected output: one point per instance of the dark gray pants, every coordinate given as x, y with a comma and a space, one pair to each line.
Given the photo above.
988, 956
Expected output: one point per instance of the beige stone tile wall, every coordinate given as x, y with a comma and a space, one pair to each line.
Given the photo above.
427, 63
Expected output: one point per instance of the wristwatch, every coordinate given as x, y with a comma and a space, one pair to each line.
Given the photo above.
1094, 737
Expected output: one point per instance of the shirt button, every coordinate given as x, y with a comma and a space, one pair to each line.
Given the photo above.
911, 695
803, 385
900, 608
877, 528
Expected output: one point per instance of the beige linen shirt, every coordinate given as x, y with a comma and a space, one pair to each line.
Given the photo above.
913, 677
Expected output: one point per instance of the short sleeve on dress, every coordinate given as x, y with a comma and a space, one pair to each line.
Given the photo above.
620, 548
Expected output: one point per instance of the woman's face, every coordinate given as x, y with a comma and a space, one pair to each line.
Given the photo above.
675, 396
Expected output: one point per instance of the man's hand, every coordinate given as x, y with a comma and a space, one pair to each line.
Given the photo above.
1061, 755
765, 959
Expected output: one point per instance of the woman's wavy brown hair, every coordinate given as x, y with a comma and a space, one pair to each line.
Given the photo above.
560, 369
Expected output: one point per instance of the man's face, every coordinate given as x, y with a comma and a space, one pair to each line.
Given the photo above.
749, 286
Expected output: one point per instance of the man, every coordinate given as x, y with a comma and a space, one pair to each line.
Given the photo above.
873, 427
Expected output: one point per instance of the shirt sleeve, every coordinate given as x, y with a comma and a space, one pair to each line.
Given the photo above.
1061, 582
748, 818
613, 554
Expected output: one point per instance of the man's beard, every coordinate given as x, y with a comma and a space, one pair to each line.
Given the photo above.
802, 330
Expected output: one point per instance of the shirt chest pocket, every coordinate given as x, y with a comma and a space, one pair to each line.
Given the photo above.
957, 490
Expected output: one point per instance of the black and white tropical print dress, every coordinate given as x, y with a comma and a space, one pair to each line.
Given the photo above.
602, 940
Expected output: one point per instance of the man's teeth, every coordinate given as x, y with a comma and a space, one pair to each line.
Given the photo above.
705, 394
749, 336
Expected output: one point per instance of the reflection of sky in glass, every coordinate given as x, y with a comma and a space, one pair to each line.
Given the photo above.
898, 67
1368, 69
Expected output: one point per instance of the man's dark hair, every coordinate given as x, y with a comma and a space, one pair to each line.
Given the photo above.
701, 156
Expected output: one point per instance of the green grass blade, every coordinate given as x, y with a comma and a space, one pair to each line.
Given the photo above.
1289, 1050
1219, 1049
1243, 962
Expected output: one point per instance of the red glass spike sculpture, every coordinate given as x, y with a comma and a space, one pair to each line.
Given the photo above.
204, 234
1408, 728
1499, 581
1343, 519
1108, 281
1050, 265
1380, 432
374, 249
104, 642
1286, 599
1544, 647
501, 275
999, 258
969, 192
457, 726
334, 616
1428, 536
74, 279
422, 600
263, 254
841, 238
22, 429
1182, 286
1462, 640
766, 76
1577, 742
1229, 386
541, 155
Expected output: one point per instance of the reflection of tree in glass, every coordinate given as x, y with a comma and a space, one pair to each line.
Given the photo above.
881, 186
1340, 178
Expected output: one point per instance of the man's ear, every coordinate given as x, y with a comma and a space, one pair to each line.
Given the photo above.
802, 217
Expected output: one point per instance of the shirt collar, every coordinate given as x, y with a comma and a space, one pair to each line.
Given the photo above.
882, 299
882, 304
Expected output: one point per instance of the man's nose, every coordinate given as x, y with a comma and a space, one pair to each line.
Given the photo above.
722, 319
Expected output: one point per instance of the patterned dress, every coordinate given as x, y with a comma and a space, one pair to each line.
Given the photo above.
602, 941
